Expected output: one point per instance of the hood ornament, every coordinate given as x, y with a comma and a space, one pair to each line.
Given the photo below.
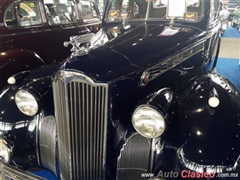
80, 44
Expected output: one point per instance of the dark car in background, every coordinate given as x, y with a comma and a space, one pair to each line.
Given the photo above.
32, 32
139, 99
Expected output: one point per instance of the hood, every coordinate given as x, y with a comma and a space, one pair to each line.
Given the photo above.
131, 49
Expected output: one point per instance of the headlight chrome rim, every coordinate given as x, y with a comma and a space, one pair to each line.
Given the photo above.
26, 102
148, 121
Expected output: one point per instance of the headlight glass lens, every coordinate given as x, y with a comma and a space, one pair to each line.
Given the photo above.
4, 152
26, 102
148, 122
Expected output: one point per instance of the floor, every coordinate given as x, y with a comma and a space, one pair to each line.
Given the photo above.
230, 48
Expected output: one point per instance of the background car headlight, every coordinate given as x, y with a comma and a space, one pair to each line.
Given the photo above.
148, 122
26, 102
4, 151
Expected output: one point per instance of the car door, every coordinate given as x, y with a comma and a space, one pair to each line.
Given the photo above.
25, 28
24, 38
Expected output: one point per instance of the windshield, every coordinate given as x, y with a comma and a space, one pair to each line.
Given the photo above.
180, 10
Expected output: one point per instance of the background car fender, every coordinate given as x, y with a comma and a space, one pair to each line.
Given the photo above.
17, 60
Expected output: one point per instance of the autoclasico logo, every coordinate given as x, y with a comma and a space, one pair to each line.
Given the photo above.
191, 174
188, 174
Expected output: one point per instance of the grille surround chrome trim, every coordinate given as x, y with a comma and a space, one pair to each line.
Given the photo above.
73, 114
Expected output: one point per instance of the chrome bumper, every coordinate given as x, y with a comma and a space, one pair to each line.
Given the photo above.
9, 172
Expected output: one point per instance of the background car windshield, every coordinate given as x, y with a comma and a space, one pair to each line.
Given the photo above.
137, 10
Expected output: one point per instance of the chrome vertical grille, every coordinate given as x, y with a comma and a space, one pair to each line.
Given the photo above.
47, 143
81, 116
134, 158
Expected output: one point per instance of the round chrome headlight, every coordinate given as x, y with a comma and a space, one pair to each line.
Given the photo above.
148, 122
4, 151
26, 102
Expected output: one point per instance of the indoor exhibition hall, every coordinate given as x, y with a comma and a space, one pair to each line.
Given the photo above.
119, 89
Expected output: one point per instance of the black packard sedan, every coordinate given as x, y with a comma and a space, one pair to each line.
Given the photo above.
140, 99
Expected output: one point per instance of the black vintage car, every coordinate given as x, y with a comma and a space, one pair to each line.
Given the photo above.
140, 99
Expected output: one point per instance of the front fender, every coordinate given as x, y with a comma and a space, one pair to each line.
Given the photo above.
17, 60
148, 149
38, 82
211, 132
18, 127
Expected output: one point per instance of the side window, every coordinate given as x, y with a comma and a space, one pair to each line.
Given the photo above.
88, 10
23, 14
60, 11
